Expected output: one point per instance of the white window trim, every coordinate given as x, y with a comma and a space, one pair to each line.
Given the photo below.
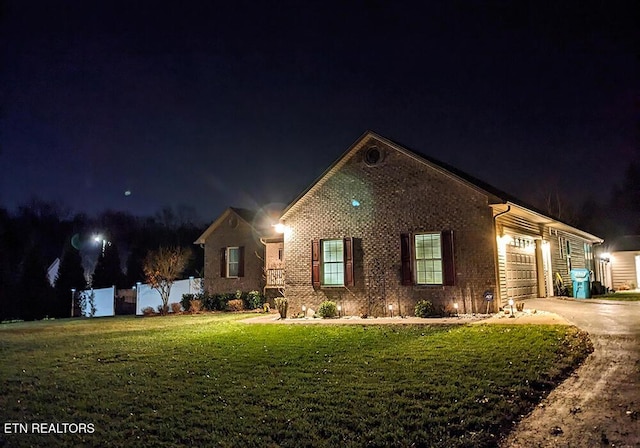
415, 259
322, 264
229, 261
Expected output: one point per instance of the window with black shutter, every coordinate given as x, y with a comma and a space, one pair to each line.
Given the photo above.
332, 262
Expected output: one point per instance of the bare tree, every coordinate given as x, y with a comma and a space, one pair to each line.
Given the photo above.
162, 267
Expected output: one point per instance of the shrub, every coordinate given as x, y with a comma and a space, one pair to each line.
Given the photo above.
235, 305
195, 306
163, 309
328, 309
148, 311
186, 301
424, 308
282, 305
175, 307
254, 300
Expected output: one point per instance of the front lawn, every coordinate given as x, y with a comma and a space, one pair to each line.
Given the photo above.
208, 380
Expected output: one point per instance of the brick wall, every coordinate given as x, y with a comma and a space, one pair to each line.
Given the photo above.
397, 195
230, 233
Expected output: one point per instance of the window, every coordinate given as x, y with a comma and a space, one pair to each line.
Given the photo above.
428, 259
232, 262
588, 256
332, 262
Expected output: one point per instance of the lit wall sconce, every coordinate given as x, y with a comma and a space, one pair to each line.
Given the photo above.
511, 305
391, 310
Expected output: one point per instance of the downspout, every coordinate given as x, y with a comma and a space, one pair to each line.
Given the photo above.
496, 260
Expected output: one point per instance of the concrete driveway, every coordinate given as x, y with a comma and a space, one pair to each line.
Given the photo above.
599, 405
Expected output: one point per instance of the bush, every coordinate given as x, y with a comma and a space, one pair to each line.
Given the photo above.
254, 300
328, 309
235, 305
282, 305
424, 308
195, 306
163, 309
186, 301
175, 307
148, 311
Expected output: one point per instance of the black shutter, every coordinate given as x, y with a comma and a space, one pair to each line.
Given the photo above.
448, 264
315, 263
241, 261
348, 262
223, 262
405, 258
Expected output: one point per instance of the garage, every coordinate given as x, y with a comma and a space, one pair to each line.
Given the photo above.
521, 269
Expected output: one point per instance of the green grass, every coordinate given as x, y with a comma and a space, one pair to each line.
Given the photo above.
624, 296
209, 380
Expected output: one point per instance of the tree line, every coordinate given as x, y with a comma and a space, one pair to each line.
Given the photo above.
94, 251
616, 216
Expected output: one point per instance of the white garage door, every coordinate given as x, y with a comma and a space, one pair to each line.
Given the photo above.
522, 281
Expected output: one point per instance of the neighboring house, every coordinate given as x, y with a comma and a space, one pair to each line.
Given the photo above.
242, 252
619, 265
385, 226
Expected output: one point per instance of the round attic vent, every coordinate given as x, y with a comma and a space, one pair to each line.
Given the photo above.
372, 156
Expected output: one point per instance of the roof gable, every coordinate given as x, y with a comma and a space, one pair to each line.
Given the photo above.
259, 220
365, 139
494, 195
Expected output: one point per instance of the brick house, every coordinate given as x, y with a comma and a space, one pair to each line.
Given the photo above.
385, 226
241, 250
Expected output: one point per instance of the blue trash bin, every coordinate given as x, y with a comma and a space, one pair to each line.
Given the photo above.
581, 284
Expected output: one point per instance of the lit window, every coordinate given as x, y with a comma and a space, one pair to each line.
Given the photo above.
332, 263
428, 259
233, 261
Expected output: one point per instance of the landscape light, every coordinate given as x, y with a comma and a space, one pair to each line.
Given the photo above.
304, 310
391, 309
455, 307
511, 305
339, 311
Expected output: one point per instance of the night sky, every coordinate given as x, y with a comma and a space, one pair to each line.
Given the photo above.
210, 104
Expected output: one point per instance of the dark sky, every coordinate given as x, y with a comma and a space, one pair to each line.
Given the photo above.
209, 104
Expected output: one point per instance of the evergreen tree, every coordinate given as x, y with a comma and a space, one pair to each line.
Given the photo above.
135, 272
36, 293
108, 271
70, 276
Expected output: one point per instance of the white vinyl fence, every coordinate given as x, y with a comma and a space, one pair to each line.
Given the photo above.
103, 301
104, 298
147, 296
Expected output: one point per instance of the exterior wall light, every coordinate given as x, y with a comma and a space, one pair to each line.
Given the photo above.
280, 228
